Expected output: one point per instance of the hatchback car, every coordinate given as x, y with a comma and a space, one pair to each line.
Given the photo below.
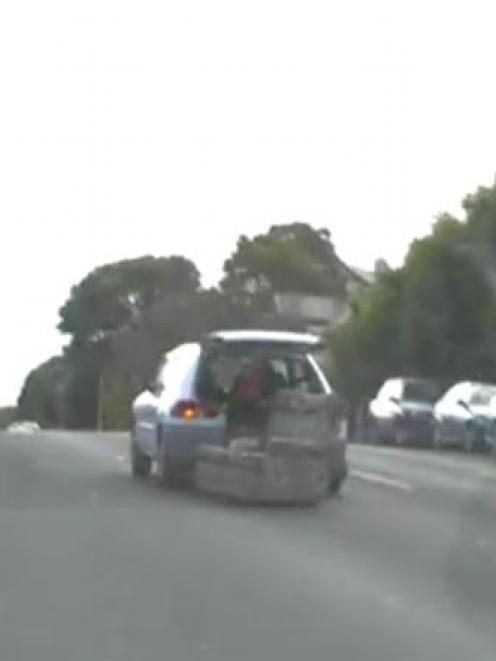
466, 416
402, 411
212, 391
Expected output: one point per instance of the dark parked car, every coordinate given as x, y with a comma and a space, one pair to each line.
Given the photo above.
403, 411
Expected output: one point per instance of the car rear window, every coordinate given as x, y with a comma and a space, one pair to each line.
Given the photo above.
288, 364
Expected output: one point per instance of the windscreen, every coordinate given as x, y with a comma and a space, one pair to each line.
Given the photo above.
483, 395
421, 391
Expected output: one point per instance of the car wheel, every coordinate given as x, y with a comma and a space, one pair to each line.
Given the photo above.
468, 439
372, 432
472, 437
141, 464
398, 437
437, 441
162, 461
335, 486
167, 474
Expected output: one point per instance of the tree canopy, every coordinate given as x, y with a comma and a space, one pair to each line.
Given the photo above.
435, 316
293, 257
111, 296
43, 395
7, 415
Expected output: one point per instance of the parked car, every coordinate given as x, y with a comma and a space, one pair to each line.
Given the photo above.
206, 393
23, 427
403, 411
466, 416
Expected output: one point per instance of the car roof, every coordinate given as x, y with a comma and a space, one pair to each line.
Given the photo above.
473, 384
284, 337
412, 379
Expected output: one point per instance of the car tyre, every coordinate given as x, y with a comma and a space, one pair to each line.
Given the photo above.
399, 439
335, 486
372, 432
437, 441
167, 474
141, 464
471, 438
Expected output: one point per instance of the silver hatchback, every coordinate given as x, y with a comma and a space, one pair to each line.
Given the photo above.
195, 400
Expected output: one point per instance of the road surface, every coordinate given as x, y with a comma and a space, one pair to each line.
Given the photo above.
97, 567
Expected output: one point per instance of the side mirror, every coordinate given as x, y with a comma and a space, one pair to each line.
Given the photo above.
395, 400
463, 404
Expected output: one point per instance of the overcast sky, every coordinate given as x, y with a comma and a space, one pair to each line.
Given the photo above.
130, 128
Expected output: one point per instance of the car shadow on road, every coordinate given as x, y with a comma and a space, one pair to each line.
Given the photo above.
122, 490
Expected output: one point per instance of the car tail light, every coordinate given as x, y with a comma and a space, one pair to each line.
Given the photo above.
190, 409
186, 409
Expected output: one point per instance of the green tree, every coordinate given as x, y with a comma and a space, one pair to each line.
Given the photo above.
480, 209
43, 394
7, 415
447, 313
109, 302
110, 297
367, 347
293, 257
434, 317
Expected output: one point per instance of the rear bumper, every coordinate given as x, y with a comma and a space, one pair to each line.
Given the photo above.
182, 440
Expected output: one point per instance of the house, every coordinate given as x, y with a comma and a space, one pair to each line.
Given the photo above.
318, 314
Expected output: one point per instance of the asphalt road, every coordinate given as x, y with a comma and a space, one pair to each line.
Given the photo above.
97, 567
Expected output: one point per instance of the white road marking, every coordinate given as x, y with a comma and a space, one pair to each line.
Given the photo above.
378, 478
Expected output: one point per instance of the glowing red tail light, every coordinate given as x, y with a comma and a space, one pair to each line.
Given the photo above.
186, 409
190, 409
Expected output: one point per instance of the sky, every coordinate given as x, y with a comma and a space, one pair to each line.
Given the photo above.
131, 128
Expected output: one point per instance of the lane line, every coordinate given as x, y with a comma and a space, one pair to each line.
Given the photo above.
378, 478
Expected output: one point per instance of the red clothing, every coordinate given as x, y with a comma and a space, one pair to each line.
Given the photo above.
251, 385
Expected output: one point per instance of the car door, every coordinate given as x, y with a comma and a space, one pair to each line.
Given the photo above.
384, 408
462, 413
173, 384
145, 413
452, 414
191, 406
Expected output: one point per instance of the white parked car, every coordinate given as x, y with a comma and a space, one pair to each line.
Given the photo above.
402, 411
23, 427
212, 391
466, 416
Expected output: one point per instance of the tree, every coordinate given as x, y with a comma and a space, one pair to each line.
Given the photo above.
447, 313
365, 349
110, 297
293, 257
434, 317
480, 209
43, 394
109, 302
7, 415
